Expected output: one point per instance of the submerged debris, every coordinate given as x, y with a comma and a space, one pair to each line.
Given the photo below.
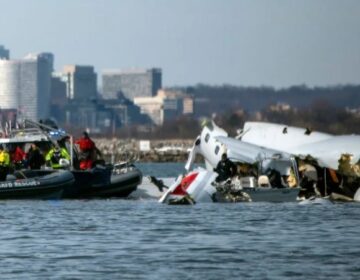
185, 200
228, 192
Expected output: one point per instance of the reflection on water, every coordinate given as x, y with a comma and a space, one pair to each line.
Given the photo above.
125, 239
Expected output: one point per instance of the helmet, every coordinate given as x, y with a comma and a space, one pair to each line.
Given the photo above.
64, 162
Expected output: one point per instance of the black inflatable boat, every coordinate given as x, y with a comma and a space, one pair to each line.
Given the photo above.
30, 185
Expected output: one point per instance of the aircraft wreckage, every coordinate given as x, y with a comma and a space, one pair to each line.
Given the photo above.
274, 163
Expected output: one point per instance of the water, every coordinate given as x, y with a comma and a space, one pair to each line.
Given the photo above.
124, 239
168, 169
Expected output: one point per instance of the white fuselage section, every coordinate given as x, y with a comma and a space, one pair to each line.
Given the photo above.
325, 148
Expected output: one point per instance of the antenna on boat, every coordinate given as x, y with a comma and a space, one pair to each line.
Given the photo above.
46, 129
71, 152
42, 127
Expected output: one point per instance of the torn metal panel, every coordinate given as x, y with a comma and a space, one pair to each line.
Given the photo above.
328, 152
280, 137
347, 168
325, 148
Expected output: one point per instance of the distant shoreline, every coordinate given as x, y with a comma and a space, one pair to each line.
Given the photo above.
116, 150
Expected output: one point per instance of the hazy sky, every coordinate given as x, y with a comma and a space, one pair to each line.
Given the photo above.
242, 42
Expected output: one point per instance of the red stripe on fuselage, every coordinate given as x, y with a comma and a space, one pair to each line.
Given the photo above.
184, 184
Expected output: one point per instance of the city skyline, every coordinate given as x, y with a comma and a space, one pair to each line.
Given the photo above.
25, 85
250, 43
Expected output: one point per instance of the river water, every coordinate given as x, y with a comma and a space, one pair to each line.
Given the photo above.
127, 239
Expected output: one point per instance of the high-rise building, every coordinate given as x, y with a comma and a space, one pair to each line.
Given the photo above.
185, 103
165, 106
131, 84
80, 82
43, 55
58, 99
152, 107
58, 91
4, 53
25, 86
10, 86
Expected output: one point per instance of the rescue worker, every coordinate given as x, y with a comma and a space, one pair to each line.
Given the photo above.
274, 178
288, 179
35, 157
18, 157
225, 168
308, 179
87, 151
54, 156
4, 163
291, 179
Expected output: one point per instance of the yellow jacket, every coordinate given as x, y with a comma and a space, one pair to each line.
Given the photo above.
292, 180
53, 157
4, 158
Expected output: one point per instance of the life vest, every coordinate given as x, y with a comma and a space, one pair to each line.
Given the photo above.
56, 156
4, 158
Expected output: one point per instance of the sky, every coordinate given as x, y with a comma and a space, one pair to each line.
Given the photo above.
276, 43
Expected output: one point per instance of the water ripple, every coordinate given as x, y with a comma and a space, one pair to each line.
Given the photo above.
124, 239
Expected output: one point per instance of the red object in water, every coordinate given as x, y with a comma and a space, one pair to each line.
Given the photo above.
184, 184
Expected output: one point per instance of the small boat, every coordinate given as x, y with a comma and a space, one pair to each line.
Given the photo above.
33, 185
99, 182
103, 180
263, 194
125, 179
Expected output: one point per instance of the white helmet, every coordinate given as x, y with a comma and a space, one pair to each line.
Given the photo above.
64, 162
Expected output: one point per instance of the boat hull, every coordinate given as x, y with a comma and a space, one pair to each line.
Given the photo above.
261, 194
103, 183
48, 186
99, 182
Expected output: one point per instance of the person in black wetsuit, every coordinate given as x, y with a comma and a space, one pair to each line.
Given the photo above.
35, 157
225, 168
274, 178
307, 183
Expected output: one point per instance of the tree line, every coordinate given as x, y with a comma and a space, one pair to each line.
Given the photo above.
328, 109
